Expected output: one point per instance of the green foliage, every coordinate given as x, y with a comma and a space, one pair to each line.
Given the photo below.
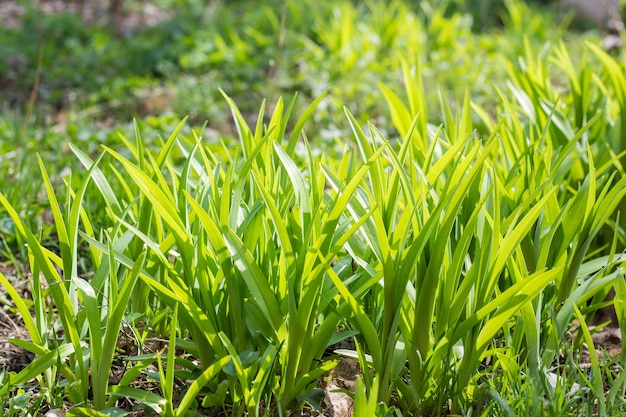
451, 242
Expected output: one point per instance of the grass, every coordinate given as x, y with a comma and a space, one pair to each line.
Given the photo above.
447, 245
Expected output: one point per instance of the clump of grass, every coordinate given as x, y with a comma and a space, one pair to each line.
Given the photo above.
454, 256
441, 252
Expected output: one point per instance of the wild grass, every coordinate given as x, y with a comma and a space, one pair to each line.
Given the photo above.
451, 243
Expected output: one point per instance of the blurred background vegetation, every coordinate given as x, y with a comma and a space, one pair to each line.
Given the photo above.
107, 64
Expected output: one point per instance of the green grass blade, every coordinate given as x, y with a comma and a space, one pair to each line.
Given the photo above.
39, 365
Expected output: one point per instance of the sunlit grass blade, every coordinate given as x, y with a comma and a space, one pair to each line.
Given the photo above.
23, 310
39, 365
597, 384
